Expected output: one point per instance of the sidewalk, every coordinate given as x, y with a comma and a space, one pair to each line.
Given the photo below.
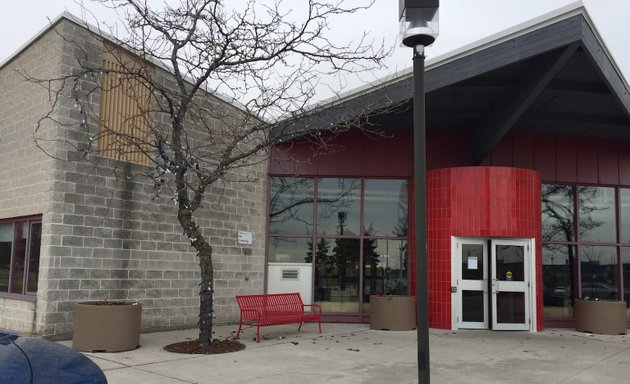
352, 353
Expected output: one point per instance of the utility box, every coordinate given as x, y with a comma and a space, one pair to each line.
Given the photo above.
291, 277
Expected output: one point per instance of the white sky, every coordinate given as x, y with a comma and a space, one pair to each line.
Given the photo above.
461, 22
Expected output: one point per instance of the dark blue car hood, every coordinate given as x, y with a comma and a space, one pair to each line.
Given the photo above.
35, 361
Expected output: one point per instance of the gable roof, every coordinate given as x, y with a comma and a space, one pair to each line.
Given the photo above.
552, 74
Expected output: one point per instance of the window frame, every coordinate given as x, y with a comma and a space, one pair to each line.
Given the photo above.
25, 293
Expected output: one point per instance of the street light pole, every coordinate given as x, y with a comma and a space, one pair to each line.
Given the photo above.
419, 28
420, 198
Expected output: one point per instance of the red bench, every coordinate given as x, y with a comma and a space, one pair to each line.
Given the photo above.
276, 309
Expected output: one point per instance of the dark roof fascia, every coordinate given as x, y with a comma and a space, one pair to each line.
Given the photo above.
535, 42
601, 60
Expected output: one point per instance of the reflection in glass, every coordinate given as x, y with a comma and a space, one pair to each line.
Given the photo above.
597, 214
599, 269
18, 263
557, 212
624, 197
289, 250
472, 306
337, 275
557, 280
291, 206
33, 258
510, 262
472, 261
338, 206
511, 307
6, 240
384, 268
385, 208
625, 270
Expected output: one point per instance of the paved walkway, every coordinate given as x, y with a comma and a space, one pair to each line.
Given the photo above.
352, 353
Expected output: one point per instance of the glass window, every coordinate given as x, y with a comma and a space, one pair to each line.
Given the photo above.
290, 250
385, 208
557, 212
338, 206
624, 197
19, 255
599, 271
291, 206
597, 214
337, 275
384, 267
625, 270
557, 279
33, 258
6, 244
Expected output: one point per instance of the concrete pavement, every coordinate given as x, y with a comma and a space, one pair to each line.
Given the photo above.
352, 353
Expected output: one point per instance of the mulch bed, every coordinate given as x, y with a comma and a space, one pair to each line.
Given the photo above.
217, 346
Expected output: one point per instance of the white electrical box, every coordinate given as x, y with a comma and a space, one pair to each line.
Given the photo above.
291, 277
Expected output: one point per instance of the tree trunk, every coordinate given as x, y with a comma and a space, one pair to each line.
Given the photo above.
206, 285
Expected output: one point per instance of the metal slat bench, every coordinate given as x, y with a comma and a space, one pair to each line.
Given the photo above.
276, 309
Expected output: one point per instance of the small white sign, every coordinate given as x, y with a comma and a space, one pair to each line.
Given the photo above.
472, 262
244, 237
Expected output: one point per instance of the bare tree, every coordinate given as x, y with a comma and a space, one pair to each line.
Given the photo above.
264, 58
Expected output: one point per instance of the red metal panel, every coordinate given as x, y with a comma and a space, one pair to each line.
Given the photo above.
587, 161
608, 162
350, 163
400, 154
447, 149
545, 158
566, 157
502, 153
523, 145
374, 157
624, 164
328, 165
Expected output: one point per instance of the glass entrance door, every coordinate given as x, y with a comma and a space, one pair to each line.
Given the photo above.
492, 289
510, 285
473, 284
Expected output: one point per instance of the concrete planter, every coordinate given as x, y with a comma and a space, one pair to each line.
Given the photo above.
600, 316
101, 326
393, 313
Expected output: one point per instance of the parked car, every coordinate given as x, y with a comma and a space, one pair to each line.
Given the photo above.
28, 360
601, 291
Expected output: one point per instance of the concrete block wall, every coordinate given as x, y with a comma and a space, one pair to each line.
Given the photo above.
25, 171
110, 240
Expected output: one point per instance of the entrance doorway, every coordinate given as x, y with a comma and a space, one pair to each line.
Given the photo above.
491, 284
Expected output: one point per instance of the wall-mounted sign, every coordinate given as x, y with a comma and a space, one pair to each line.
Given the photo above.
244, 238
472, 262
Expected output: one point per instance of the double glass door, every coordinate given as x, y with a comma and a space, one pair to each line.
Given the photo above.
492, 284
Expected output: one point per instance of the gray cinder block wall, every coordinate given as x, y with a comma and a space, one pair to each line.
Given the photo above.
103, 235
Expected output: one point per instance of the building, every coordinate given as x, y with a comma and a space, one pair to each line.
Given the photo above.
528, 198
75, 231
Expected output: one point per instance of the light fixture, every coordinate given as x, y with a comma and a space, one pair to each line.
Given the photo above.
419, 23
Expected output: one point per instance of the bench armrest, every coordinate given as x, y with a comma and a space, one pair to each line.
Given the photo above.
319, 307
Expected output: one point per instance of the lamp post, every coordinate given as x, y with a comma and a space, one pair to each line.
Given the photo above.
419, 28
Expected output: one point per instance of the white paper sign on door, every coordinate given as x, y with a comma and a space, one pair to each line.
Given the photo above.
472, 262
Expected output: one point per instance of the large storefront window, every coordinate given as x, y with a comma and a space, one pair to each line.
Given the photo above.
584, 229
19, 255
359, 245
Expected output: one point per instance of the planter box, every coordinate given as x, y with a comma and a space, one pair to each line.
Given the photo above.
600, 316
106, 326
393, 313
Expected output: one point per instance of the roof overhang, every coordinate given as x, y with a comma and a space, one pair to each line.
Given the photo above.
552, 74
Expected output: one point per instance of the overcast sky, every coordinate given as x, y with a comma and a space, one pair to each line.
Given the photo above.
461, 22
